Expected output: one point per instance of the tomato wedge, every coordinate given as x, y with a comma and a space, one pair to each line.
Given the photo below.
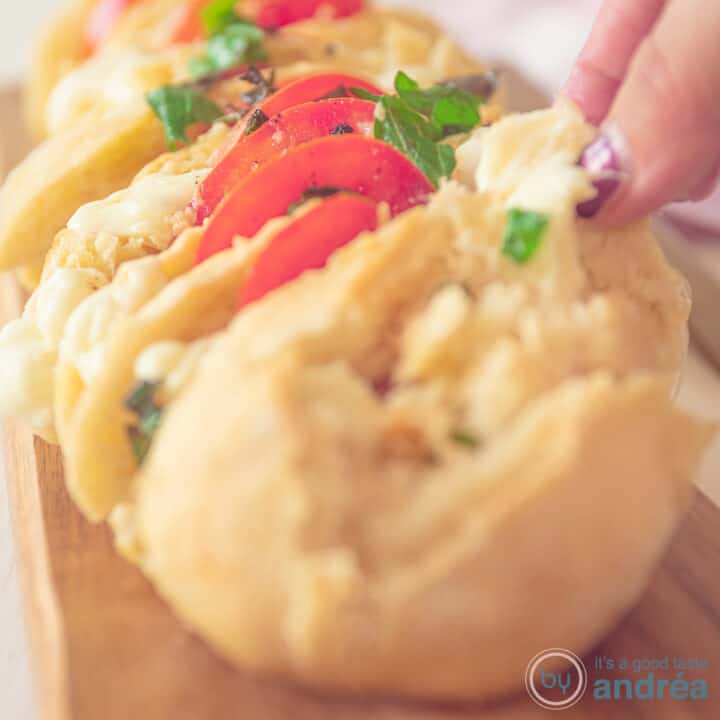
295, 126
272, 14
313, 87
297, 92
308, 243
188, 22
359, 164
102, 21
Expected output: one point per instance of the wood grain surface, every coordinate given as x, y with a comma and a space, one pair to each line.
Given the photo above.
106, 648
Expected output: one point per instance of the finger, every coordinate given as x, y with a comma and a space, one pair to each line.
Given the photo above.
668, 112
618, 31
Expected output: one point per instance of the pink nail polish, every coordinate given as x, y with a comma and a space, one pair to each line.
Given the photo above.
603, 162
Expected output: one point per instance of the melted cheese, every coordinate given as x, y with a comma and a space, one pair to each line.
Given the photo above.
89, 327
158, 361
169, 362
71, 314
28, 347
145, 209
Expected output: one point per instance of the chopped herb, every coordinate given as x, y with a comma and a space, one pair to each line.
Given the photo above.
218, 14
233, 40
524, 233
144, 404
151, 422
342, 129
178, 107
140, 444
256, 120
142, 397
235, 44
466, 439
448, 108
263, 88
314, 193
413, 135
416, 121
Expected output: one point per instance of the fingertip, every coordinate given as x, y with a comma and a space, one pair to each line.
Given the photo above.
592, 92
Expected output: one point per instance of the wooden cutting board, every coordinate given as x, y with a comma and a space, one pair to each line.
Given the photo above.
105, 647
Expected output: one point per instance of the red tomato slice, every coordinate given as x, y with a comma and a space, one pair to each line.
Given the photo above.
313, 87
308, 243
102, 20
271, 14
297, 92
359, 164
295, 126
189, 26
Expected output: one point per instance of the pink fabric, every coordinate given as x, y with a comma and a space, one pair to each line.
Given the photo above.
541, 38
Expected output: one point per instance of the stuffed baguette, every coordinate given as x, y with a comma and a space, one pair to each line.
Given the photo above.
404, 456
145, 218
99, 110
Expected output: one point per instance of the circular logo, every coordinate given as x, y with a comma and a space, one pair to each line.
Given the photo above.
556, 679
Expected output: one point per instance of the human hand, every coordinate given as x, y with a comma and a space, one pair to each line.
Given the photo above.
650, 75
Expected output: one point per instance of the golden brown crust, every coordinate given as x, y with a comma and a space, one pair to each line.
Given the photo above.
41, 194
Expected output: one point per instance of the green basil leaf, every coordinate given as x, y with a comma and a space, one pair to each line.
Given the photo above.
218, 14
233, 40
178, 107
450, 109
417, 138
405, 84
200, 66
415, 121
447, 162
524, 233
456, 112
236, 44
149, 414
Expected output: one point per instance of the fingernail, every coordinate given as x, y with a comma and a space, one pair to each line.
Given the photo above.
606, 162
